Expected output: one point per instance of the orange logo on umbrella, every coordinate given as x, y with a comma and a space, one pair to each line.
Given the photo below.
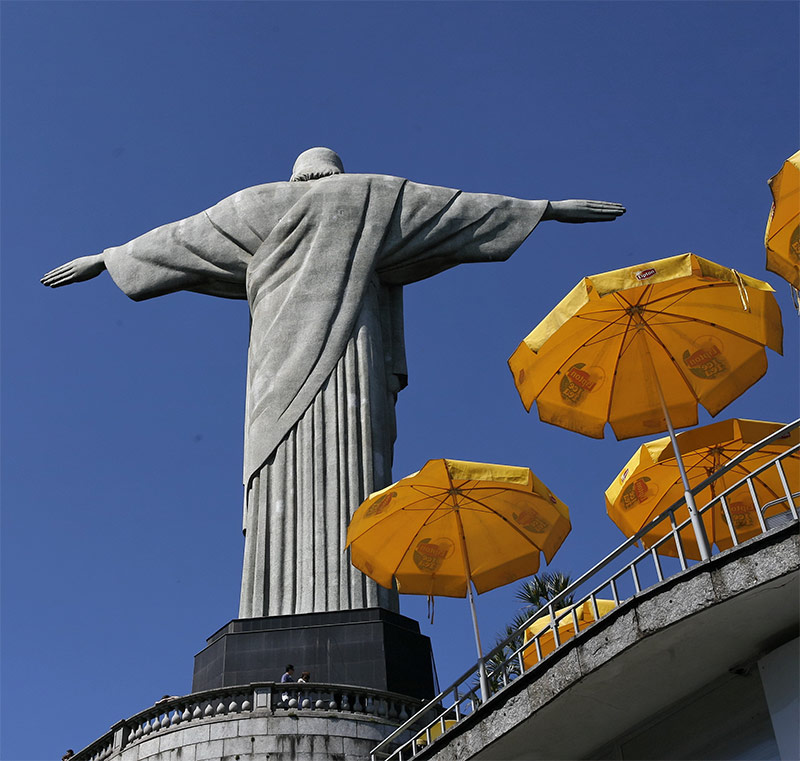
376, 508
577, 382
742, 515
707, 360
638, 492
531, 521
794, 243
429, 555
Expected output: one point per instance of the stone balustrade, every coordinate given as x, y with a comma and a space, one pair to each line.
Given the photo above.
267, 698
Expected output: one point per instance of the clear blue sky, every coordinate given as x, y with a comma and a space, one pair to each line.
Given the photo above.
122, 422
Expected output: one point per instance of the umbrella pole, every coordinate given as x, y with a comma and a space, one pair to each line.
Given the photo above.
481, 665
694, 516
697, 521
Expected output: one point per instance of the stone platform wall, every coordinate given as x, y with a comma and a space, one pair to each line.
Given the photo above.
263, 721
300, 736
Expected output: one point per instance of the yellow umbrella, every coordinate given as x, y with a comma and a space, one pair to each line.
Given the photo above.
456, 522
650, 482
782, 238
566, 628
640, 347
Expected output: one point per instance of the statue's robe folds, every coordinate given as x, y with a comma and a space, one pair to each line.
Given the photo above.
322, 264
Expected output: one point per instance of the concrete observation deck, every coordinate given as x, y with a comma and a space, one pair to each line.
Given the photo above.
692, 641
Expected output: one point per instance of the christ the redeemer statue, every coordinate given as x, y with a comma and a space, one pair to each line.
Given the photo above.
322, 260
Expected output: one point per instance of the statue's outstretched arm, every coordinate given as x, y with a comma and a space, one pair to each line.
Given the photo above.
577, 211
83, 268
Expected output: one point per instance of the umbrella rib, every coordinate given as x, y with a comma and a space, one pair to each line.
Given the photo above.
623, 349
673, 361
605, 324
786, 224
739, 470
425, 523
437, 490
379, 523
478, 485
593, 340
597, 340
442, 515
503, 518
759, 479
716, 325
625, 304
656, 338
464, 534
674, 298
596, 318
680, 295
411, 505
442, 498
410, 508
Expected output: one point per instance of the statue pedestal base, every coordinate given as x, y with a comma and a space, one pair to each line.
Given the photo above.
369, 647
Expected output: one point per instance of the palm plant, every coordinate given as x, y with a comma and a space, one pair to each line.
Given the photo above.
534, 592
544, 587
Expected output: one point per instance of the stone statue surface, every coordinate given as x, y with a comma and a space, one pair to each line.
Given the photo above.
322, 260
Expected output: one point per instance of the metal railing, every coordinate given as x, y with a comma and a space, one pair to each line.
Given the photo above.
272, 698
609, 583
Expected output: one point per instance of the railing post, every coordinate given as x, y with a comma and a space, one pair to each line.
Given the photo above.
263, 698
551, 609
678, 541
726, 512
789, 496
756, 505
121, 731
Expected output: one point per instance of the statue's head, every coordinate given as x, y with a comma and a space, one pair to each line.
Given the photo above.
315, 163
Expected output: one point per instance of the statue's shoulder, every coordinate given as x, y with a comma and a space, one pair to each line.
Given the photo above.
377, 183
267, 190
282, 192
378, 179
259, 196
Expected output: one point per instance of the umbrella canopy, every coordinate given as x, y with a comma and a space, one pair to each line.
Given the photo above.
454, 522
683, 327
650, 482
782, 238
566, 628
640, 347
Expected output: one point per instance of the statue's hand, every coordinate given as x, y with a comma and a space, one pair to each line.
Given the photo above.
83, 268
576, 211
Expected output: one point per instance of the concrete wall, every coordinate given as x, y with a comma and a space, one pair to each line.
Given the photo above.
261, 736
643, 661
780, 673
726, 720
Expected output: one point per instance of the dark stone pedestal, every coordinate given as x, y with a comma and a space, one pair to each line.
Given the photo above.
370, 647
